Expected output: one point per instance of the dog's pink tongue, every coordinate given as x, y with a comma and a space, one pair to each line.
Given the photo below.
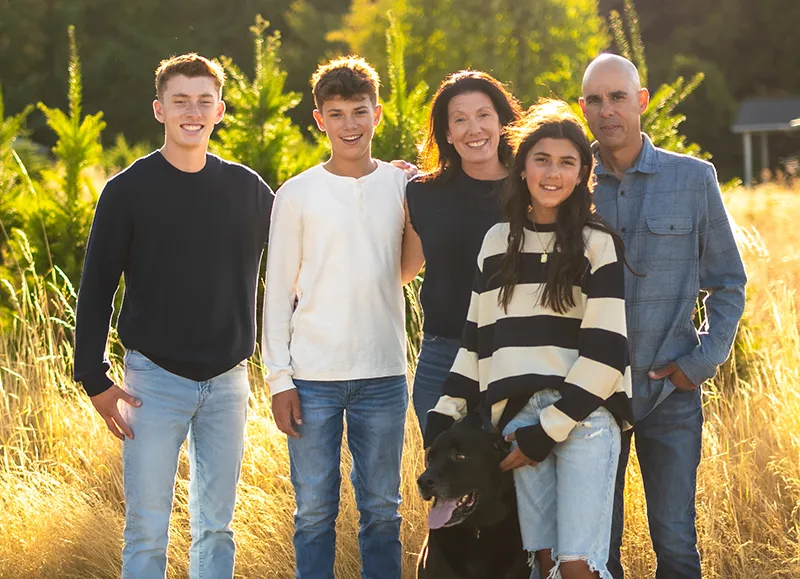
440, 513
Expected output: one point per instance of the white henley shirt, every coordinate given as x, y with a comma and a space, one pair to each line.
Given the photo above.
333, 303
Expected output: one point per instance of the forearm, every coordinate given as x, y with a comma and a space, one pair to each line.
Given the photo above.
284, 254
723, 309
412, 258
276, 340
722, 274
602, 362
106, 253
93, 319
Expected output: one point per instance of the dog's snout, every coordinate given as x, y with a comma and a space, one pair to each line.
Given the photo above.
426, 482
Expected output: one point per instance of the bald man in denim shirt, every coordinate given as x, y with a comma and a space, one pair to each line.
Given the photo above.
678, 238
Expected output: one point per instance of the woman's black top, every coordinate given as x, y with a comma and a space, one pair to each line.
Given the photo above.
451, 217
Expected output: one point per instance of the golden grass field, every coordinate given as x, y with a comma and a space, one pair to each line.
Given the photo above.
61, 510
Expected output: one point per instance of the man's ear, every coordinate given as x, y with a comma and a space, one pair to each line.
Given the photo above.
644, 100
158, 111
319, 119
377, 115
221, 108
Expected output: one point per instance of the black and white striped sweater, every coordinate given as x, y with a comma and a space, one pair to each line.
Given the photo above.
506, 357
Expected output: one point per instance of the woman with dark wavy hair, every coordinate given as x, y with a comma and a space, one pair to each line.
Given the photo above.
465, 157
545, 347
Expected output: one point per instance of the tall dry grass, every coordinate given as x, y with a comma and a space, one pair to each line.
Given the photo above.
61, 510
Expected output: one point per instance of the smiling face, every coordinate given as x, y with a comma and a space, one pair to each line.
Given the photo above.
350, 125
613, 103
473, 128
189, 108
552, 170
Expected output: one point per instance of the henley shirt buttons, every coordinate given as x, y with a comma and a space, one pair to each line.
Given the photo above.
622, 193
622, 230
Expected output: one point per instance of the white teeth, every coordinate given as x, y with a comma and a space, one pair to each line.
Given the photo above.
192, 127
476, 144
550, 187
351, 139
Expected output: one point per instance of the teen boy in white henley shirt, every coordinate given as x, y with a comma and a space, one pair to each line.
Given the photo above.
334, 328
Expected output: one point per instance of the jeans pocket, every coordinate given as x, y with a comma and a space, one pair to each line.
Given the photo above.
137, 362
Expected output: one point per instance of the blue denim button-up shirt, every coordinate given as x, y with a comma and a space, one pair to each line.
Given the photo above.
668, 209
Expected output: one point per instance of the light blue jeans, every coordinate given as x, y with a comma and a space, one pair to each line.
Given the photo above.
375, 410
212, 414
565, 502
436, 357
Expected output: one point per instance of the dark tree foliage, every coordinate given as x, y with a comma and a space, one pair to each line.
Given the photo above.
745, 48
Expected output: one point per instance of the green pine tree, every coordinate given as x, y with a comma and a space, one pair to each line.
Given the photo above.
660, 121
257, 130
405, 114
58, 227
13, 179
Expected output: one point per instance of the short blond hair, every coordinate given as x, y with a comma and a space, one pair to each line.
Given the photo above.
191, 65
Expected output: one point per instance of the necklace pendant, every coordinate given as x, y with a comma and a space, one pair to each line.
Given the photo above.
544, 258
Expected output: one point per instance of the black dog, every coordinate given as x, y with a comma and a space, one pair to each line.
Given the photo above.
474, 527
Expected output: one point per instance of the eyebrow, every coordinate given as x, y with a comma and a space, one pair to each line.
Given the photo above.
543, 154
616, 93
186, 96
357, 109
481, 109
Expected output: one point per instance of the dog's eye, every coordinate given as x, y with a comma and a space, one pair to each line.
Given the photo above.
457, 456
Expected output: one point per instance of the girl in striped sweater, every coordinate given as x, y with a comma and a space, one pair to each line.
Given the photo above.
545, 347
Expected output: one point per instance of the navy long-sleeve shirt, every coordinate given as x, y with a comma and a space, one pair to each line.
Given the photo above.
451, 217
189, 247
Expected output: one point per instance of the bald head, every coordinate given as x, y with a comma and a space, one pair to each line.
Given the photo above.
611, 64
613, 101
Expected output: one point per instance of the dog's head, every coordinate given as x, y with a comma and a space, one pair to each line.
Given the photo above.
464, 478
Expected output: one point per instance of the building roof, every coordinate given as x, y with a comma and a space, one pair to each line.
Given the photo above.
767, 114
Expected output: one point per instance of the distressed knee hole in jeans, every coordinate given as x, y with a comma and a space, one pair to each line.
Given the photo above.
555, 572
594, 434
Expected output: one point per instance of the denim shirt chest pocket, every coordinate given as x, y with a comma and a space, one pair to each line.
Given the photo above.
669, 241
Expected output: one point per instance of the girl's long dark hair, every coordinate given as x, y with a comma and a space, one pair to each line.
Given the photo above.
438, 156
566, 264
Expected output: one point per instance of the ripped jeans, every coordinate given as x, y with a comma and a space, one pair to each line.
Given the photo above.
565, 502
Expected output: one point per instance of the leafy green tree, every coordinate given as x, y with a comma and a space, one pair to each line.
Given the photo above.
66, 209
122, 154
744, 48
305, 45
540, 48
257, 130
122, 44
12, 175
660, 121
405, 114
